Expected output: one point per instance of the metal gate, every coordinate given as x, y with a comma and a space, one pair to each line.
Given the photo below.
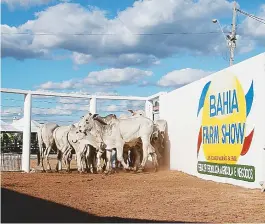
10, 161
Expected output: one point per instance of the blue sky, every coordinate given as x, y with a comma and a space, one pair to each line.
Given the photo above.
125, 62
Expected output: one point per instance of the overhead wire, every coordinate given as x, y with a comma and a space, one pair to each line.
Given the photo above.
110, 34
259, 19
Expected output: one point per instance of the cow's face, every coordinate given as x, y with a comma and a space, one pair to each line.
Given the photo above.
80, 135
86, 123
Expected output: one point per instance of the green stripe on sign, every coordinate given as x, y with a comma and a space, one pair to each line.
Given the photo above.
238, 172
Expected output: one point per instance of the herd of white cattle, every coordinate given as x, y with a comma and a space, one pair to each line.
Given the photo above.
104, 143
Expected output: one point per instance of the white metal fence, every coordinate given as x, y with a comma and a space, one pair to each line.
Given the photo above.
63, 109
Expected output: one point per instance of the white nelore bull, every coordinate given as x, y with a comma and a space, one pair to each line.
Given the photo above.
60, 135
68, 138
132, 151
46, 140
158, 137
121, 131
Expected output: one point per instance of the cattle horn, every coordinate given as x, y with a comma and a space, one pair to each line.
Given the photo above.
131, 111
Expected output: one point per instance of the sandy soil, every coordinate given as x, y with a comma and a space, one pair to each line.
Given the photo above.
163, 196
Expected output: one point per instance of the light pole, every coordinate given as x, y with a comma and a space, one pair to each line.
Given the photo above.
217, 21
230, 39
225, 37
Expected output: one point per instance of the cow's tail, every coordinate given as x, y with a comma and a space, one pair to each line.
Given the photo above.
40, 142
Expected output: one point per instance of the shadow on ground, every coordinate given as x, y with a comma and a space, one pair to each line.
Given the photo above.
17, 207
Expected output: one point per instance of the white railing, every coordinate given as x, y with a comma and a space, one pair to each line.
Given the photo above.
92, 107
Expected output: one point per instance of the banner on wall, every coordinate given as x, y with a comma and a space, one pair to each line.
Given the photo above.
223, 137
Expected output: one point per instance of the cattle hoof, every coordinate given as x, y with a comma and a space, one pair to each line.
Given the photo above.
113, 171
134, 170
106, 172
100, 171
140, 170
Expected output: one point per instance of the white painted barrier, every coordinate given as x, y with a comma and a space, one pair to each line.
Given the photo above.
216, 126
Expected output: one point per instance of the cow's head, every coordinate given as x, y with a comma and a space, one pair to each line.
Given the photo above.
87, 122
107, 119
137, 112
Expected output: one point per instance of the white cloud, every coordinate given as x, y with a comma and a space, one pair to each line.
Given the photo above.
25, 3
41, 97
69, 84
11, 111
182, 77
80, 59
247, 44
58, 110
51, 111
12, 4
119, 106
107, 77
120, 47
19, 46
116, 76
79, 100
72, 100
253, 29
73, 107
120, 61
49, 85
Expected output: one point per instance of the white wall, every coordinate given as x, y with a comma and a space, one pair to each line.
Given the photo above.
180, 106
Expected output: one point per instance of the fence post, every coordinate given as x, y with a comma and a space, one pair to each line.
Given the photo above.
149, 109
26, 134
93, 105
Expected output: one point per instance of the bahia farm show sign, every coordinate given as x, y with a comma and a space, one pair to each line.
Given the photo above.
222, 136
216, 125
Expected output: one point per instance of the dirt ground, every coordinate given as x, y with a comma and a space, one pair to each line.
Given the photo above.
162, 196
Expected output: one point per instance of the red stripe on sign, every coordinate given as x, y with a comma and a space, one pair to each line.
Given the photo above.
247, 143
199, 141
